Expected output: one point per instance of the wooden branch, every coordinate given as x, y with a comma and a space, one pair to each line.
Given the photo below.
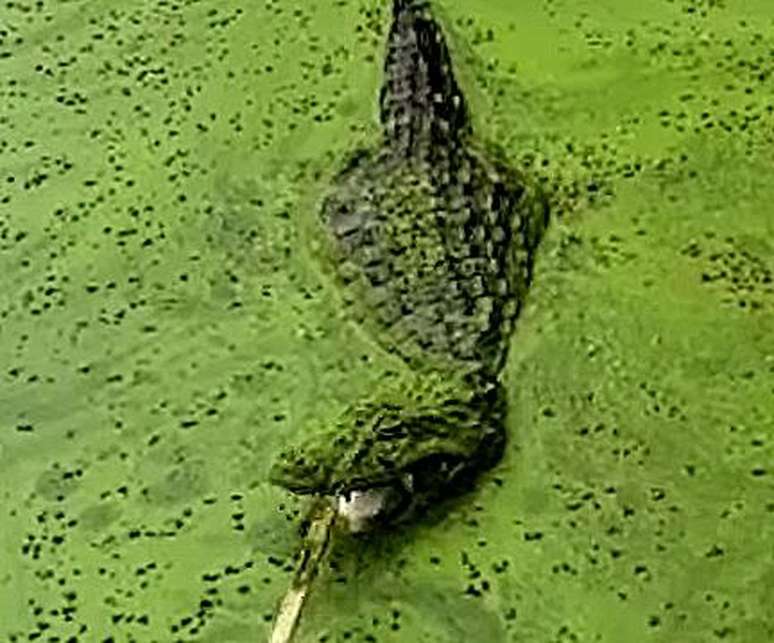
314, 548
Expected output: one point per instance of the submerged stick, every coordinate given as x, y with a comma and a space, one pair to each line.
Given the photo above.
314, 548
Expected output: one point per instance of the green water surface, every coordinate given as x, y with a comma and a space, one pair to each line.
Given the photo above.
163, 329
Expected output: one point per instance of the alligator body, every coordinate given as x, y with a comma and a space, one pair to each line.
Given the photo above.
433, 231
432, 236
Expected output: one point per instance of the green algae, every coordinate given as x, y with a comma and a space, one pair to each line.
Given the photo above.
163, 330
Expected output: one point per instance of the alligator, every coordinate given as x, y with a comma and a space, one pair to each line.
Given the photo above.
432, 236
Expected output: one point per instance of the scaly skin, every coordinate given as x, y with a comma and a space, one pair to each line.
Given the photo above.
432, 238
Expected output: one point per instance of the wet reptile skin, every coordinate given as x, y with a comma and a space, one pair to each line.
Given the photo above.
433, 236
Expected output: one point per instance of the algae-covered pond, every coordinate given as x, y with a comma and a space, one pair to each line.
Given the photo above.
165, 329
